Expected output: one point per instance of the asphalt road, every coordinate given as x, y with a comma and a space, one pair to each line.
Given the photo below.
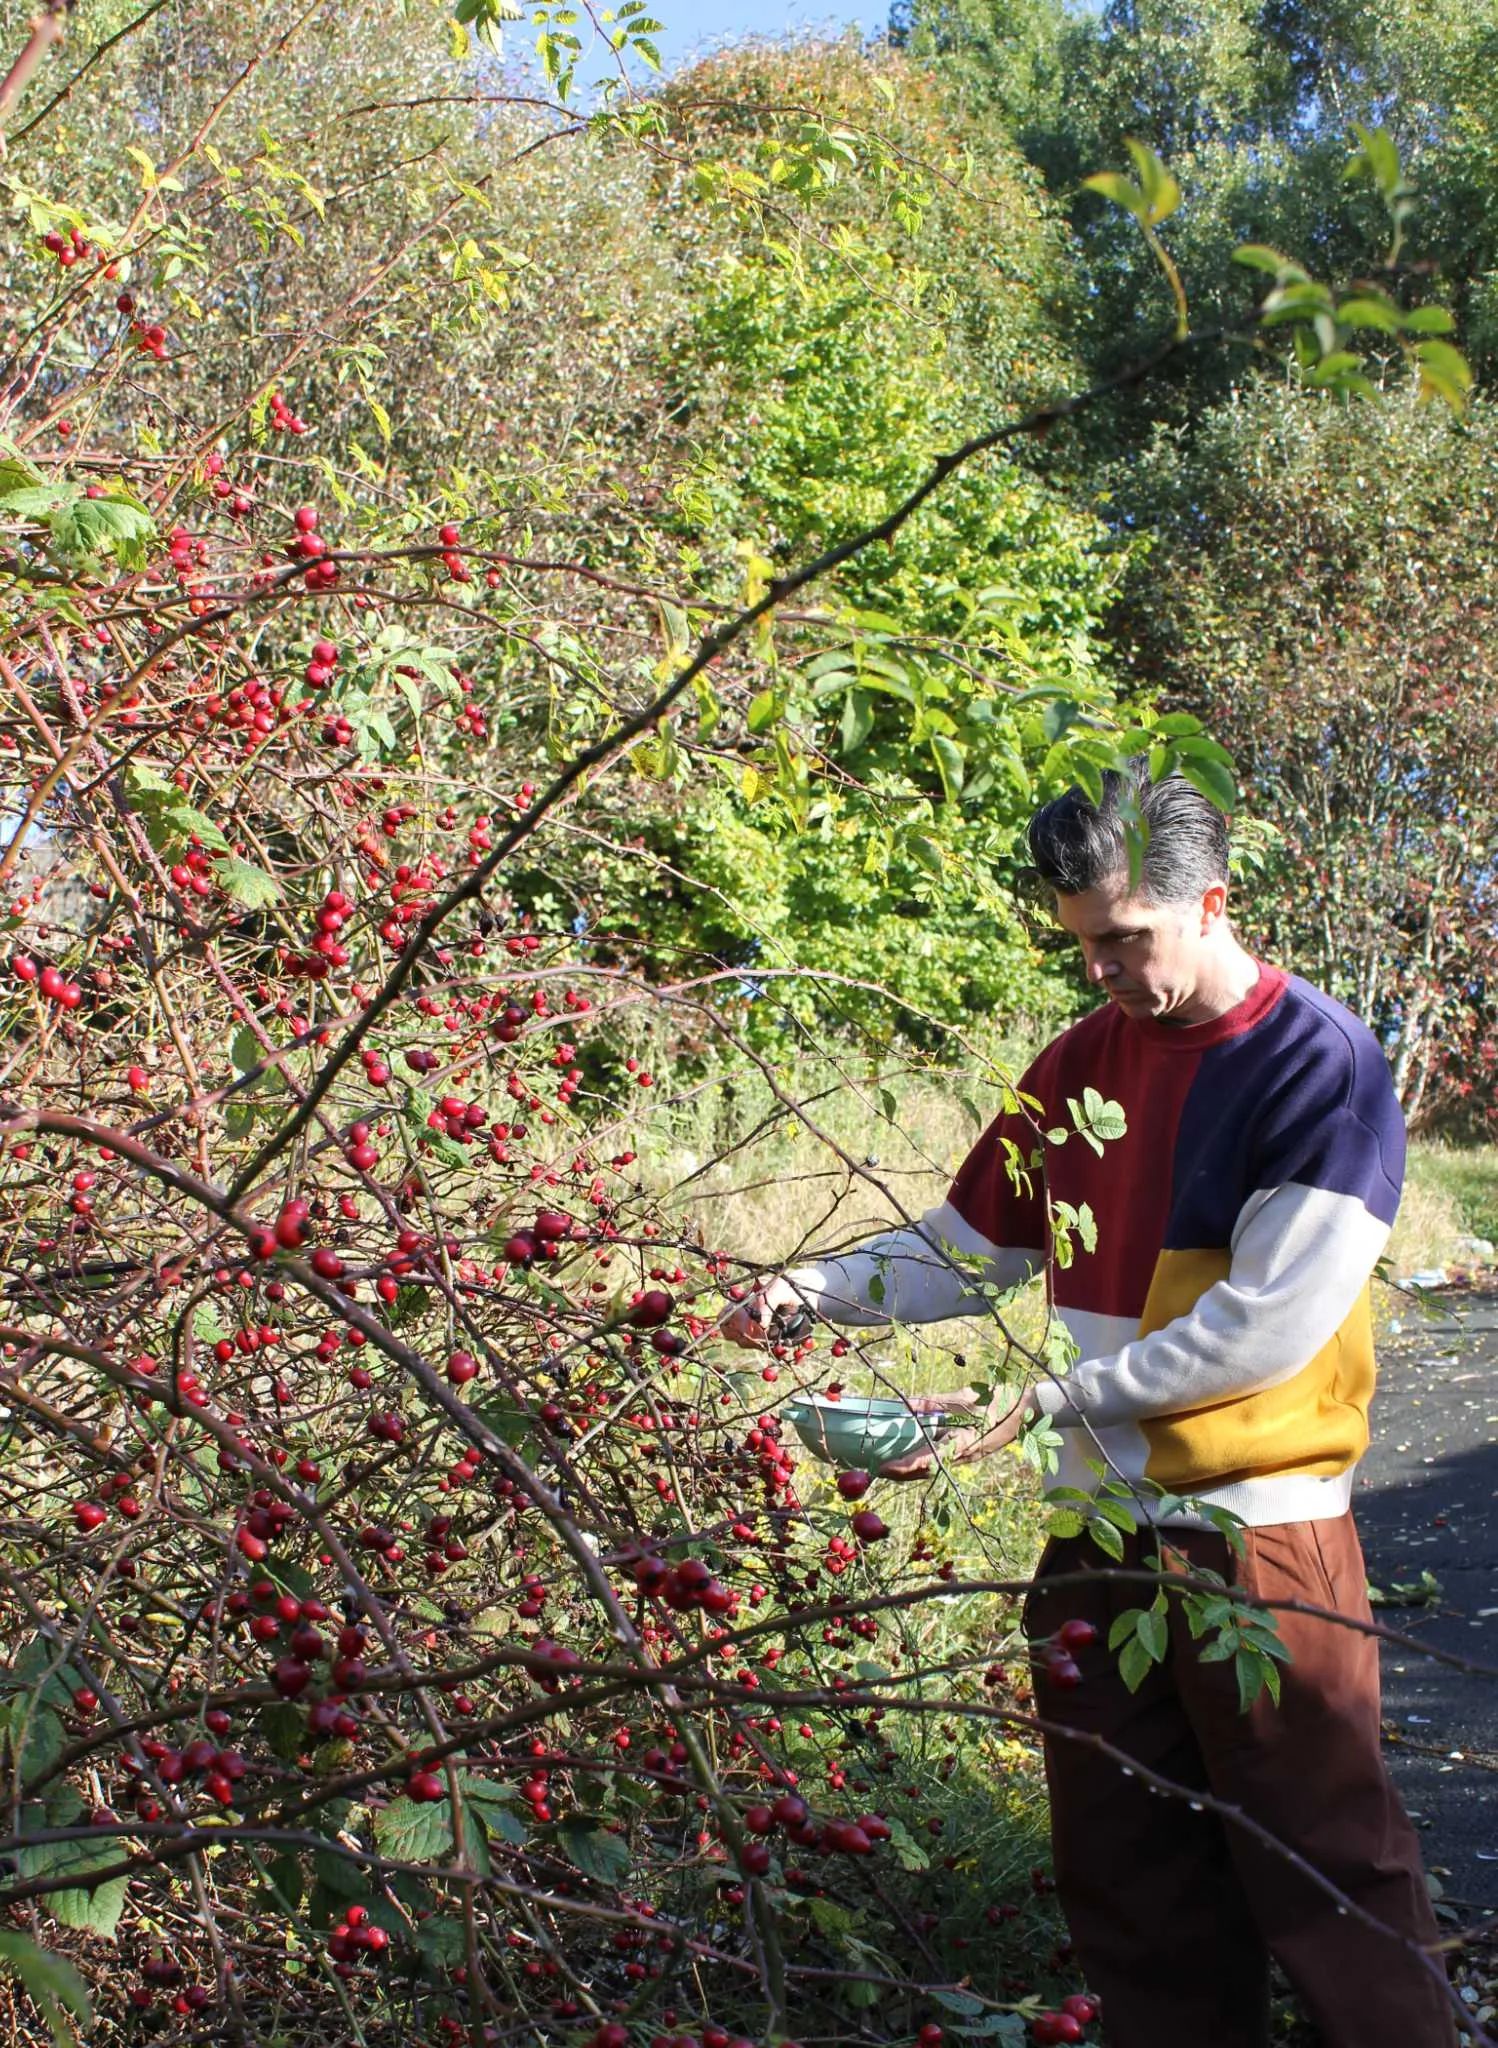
1426, 1500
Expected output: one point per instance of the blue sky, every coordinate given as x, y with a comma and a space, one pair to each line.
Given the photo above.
695, 24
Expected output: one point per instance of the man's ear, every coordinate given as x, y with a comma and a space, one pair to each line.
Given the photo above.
1214, 905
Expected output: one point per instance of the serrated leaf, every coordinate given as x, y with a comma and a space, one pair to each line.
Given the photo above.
285, 1729
595, 1851
246, 884
33, 1737
35, 1669
94, 1912
412, 1831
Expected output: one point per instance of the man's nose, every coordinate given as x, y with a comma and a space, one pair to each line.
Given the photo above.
1100, 967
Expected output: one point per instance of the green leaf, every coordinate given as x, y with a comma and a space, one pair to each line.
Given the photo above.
1366, 312
33, 1735
595, 1851
951, 764
94, 1912
1259, 256
1213, 780
411, 1831
246, 884
35, 1667
1121, 190
93, 1908
1106, 1118
766, 710
491, 1800
1124, 1626
1256, 1673
285, 1729
441, 1940
51, 1983
857, 720
1153, 1631
1429, 320
1444, 373
1161, 191
1134, 1664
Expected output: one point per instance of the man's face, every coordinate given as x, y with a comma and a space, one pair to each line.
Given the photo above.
1148, 958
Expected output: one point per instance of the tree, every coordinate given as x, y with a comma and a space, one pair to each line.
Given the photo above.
1320, 587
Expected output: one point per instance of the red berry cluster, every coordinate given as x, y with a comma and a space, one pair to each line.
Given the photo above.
70, 248
544, 1240
220, 1769
354, 1936
235, 499
1075, 2015
149, 337
684, 1586
254, 709
791, 1814
194, 873
160, 1973
320, 668
51, 981
327, 950
282, 418
459, 1120
307, 545
452, 561
1059, 1662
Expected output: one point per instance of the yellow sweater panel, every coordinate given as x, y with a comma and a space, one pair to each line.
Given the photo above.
1315, 1422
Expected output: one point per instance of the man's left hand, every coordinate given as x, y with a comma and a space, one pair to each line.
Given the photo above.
961, 1446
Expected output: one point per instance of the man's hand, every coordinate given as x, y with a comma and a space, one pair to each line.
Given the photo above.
751, 1323
960, 1446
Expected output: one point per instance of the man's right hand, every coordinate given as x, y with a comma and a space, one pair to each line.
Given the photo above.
751, 1323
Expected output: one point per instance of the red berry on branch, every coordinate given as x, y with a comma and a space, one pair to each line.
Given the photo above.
289, 1675
653, 1308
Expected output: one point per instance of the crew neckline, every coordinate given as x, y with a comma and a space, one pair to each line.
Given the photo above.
1243, 1016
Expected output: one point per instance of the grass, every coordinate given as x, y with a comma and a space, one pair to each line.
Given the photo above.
1450, 1193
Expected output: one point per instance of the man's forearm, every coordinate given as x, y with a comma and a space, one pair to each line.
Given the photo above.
923, 1273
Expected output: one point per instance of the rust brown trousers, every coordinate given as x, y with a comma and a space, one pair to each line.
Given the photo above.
1174, 1912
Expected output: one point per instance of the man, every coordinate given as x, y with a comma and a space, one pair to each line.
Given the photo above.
1226, 1356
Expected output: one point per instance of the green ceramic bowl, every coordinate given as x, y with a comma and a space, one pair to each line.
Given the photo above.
862, 1430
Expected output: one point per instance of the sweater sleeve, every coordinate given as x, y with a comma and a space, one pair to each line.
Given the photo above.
922, 1274
993, 1219
1330, 1158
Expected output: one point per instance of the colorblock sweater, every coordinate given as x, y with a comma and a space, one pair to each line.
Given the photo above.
1223, 1320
